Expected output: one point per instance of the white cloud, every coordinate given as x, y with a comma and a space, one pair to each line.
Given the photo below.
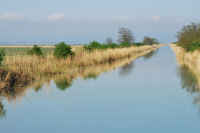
156, 18
56, 17
11, 16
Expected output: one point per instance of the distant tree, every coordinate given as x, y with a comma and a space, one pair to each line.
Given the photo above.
150, 41
35, 51
189, 36
109, 40
125, 36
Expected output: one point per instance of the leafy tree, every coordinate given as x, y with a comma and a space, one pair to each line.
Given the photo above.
189, 36
63, 50
150, 41
35, 51
2, 55
125, 36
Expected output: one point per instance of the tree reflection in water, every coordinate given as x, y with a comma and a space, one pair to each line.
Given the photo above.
63, 84
151, 54
126, 69
2, 110
64, 80
189, 81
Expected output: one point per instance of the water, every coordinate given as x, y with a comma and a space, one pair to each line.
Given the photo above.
143, 96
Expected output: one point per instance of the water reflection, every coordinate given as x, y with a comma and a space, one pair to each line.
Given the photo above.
38, 87
65, 80
63, 84
189, 80
2, 110
127, 69
189, 74
150, 54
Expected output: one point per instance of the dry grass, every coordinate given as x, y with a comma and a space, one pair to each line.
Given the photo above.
71, 74
189, 59
49, 65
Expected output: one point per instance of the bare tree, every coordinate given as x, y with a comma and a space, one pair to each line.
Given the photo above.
150, 41
125, 36
109, 40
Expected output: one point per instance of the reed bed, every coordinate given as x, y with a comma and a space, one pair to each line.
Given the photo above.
191, 60
49, 65
88, 72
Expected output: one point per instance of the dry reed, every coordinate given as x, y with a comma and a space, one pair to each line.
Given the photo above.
34, 66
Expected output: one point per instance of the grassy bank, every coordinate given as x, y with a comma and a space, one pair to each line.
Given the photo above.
189, 71
36, 66
64, 79
189, 63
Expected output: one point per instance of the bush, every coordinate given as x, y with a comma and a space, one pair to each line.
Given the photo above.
94, 45
35, 51
193, 46
189, 37
63, 50
113, 45
2, 55
138, 44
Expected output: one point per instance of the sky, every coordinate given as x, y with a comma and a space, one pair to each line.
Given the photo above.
82, 21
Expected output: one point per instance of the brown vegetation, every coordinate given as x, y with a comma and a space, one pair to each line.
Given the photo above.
36, 66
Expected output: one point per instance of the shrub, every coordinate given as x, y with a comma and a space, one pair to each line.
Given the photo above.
63, 50
93, 45
125, 44
189, 36
113, 45
193, 46
35, 51
2, 55
138, 44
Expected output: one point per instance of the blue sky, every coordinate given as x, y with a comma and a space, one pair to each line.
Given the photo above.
81, 21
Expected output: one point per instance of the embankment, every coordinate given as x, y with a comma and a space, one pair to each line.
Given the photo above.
85, 64
189, 63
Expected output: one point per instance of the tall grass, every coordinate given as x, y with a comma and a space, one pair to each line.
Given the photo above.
49, 65
65, 80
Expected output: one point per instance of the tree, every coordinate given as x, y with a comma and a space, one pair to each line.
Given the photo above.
63, 50
109, 40
189, 35
150, 41
125, 36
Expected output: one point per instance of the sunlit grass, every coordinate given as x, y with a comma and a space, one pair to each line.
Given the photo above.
49, 65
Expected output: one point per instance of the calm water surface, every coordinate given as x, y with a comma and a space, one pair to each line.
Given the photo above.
145, 96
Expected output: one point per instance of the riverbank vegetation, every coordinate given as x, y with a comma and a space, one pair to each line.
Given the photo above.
189, 70
37, 62
189, 37
62, 80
